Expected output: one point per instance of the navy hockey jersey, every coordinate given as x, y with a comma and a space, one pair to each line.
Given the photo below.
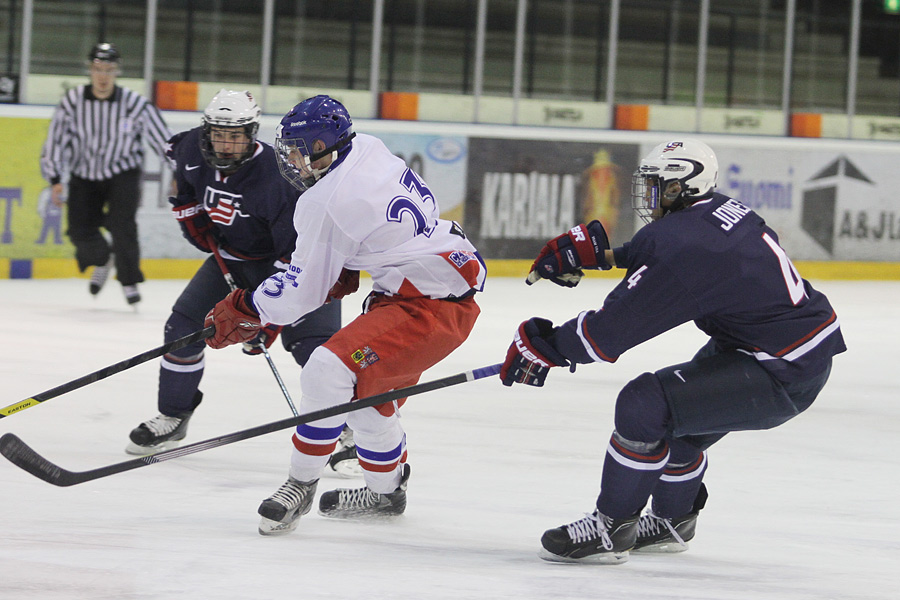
252, 209
715, 263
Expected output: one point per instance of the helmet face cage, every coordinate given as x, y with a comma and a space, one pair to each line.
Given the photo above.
294, 163
645, 195
315, 128
228, 112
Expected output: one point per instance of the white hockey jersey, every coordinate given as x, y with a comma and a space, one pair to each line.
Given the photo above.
370, 213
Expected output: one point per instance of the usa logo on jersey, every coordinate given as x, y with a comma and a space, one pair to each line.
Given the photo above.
222, 207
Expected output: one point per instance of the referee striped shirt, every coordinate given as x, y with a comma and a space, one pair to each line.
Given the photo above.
97, 139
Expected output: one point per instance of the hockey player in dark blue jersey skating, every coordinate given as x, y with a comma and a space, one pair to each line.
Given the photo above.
706, 258
229, 193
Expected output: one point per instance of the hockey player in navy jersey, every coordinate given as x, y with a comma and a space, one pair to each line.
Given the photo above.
706, 258
231, 194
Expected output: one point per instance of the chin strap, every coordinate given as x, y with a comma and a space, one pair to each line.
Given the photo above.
682, 201
335, 148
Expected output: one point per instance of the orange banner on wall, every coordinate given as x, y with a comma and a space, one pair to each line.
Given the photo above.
806, 125
632, 117
400, 105
176, 95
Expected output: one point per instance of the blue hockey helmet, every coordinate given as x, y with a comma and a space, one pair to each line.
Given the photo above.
312, 138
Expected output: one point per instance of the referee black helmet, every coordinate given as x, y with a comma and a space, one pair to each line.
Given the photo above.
105, 52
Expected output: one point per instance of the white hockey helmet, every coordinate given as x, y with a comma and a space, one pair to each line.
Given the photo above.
230, 109
672, 176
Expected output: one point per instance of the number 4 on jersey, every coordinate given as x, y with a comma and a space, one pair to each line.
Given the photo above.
791, 276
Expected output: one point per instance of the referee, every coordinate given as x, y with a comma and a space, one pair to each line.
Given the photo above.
96, 135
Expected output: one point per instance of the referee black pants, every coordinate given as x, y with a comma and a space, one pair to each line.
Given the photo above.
111, 204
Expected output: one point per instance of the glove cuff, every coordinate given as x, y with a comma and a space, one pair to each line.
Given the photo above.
243, 301
186, 212
535, 336
585, 245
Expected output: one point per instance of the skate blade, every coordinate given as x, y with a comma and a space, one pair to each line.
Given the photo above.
269, 527
604, 558
664, 548
136, 450
370, 515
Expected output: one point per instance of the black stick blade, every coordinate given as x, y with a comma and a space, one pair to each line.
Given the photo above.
21, 455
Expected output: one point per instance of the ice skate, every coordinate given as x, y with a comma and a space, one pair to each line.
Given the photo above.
344, 462
595, 539
282, 510
99, 276
656, 534
132, 295
363, 503
162, 432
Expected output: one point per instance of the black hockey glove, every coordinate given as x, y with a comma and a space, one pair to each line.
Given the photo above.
531, 354
563, 257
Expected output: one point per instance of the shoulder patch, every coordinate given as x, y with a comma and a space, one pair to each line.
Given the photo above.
364, 357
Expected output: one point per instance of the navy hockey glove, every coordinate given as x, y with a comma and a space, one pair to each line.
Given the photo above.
266, 337
235, 320
562, 258
531, 354
195, 223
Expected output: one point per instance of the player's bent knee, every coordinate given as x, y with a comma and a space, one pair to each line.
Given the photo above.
373, 430
178, 326
325, 379
642, 413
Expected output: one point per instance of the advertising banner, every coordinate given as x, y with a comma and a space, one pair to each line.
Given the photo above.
826, 200
31, 225
824, 205
441, 162
520, 193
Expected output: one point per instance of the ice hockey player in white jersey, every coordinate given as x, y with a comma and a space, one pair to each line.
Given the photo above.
362, 209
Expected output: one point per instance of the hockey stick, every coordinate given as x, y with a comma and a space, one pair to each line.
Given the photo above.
21, 454
229, 279
107, 371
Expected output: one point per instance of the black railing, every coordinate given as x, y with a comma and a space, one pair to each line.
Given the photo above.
338, 34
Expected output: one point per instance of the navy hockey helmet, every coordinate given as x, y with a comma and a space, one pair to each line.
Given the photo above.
312, 138
672, 176
104, 52
227, 112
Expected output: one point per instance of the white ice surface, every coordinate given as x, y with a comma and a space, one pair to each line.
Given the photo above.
805, 511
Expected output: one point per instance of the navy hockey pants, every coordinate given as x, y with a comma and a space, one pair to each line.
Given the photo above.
666, 420
182, 370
